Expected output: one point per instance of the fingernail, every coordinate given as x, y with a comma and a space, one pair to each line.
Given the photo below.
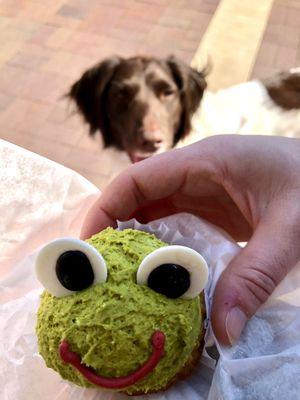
235, 322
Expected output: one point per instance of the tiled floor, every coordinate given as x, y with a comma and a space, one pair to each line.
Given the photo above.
46, 44
232, 40
280, 47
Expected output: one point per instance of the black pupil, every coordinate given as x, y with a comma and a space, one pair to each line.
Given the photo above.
172, 280
74, 270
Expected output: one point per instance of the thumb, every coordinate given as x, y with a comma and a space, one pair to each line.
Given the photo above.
253, 274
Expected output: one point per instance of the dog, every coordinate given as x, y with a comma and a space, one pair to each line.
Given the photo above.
145, 105
259, 107
142, 105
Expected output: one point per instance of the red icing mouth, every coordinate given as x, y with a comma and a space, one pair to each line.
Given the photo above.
158, 342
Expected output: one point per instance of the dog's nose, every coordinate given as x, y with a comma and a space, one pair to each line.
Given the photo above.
150, 144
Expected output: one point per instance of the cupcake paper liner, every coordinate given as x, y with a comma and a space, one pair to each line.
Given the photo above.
23, 369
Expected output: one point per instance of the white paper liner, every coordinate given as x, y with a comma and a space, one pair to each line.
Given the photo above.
23, 372
265, 364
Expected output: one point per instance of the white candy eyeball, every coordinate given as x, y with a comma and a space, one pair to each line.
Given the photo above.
175, 271
68, 265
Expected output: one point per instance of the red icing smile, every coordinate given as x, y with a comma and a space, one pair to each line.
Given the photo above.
158, 342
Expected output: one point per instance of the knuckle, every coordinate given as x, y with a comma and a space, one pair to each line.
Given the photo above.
261, 276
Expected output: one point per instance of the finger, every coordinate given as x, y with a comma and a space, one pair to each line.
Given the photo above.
155, 210
190, 171
96, 220
140, 184
252, 276
219, 212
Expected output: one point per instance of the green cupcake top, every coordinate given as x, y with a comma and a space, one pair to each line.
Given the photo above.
110, 324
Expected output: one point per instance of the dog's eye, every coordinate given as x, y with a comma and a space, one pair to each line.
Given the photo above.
168, 92
119, 90
121, 93
163, 89
174, 271
124, 92
69, 265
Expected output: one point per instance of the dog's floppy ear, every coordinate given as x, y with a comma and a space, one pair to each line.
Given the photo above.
284, 89
88, 93
191, 84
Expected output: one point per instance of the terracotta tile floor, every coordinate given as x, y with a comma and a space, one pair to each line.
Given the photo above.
232, 40
46, 45
280, 47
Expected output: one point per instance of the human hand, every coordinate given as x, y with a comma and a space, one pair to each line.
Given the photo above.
247, 185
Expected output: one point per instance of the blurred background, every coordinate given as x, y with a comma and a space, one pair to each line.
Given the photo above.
45, 45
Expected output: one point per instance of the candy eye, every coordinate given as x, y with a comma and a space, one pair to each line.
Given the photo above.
174, 271
68, 265
172, 280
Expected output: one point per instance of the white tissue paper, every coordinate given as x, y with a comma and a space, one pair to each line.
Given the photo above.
40, 201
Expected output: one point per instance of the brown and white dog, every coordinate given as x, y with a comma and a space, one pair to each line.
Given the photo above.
141, 105
145, 105
258, 107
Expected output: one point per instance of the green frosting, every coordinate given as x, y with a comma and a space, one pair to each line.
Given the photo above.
110, 324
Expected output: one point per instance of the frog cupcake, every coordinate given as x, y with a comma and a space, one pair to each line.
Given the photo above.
121, 311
